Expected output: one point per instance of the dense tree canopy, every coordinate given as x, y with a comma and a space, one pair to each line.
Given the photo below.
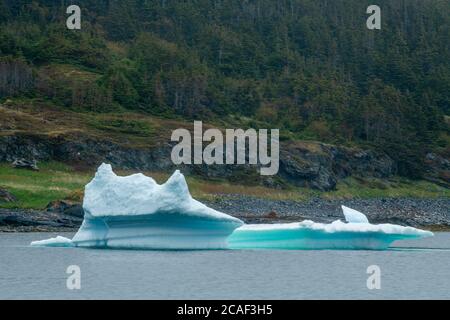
308, 67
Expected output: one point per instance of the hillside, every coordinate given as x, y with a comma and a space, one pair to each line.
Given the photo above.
349, 102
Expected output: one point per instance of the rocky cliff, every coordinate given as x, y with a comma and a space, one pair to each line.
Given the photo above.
307, 164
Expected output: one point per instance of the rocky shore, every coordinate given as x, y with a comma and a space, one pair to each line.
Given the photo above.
428, 213
16, 220
431, 214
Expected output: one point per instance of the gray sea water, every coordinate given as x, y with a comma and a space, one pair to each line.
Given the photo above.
418, 269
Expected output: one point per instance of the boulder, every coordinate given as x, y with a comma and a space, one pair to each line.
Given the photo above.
272, 215
25, 164
6, 196
66, 207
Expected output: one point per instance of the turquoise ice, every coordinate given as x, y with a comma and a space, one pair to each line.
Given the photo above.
308, 235
355, 233
135, 212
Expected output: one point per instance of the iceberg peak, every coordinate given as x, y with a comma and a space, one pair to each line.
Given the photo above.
111, 195
353, 216
177, 184
105, 170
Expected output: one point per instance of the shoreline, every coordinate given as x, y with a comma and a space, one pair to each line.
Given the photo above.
428, 214
415, 212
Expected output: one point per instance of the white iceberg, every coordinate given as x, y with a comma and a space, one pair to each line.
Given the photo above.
53, 242
353, 216
358, 233
136, 212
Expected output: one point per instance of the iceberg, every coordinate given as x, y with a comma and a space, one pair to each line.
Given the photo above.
135, 212
353, 216
53, 242
356, 234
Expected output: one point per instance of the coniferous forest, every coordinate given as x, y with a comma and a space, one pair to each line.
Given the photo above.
309, 67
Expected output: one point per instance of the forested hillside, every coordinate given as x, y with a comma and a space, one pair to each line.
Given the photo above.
308, 67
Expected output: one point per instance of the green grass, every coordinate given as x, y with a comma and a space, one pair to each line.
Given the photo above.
35, 189
121, 125
57, 181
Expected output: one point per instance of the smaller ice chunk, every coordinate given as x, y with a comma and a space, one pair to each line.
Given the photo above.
357, 234
53, 242
353, 216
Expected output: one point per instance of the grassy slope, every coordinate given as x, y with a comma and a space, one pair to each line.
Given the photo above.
35, 189
35, 117
57, 181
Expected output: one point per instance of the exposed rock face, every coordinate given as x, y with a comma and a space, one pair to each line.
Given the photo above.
319, 166
83, 150
15, 220
438, 169
314, 165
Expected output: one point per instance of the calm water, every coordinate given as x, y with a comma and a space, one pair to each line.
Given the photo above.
417, 269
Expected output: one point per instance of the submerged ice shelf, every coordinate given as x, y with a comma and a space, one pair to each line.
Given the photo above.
135, 212
356, 234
